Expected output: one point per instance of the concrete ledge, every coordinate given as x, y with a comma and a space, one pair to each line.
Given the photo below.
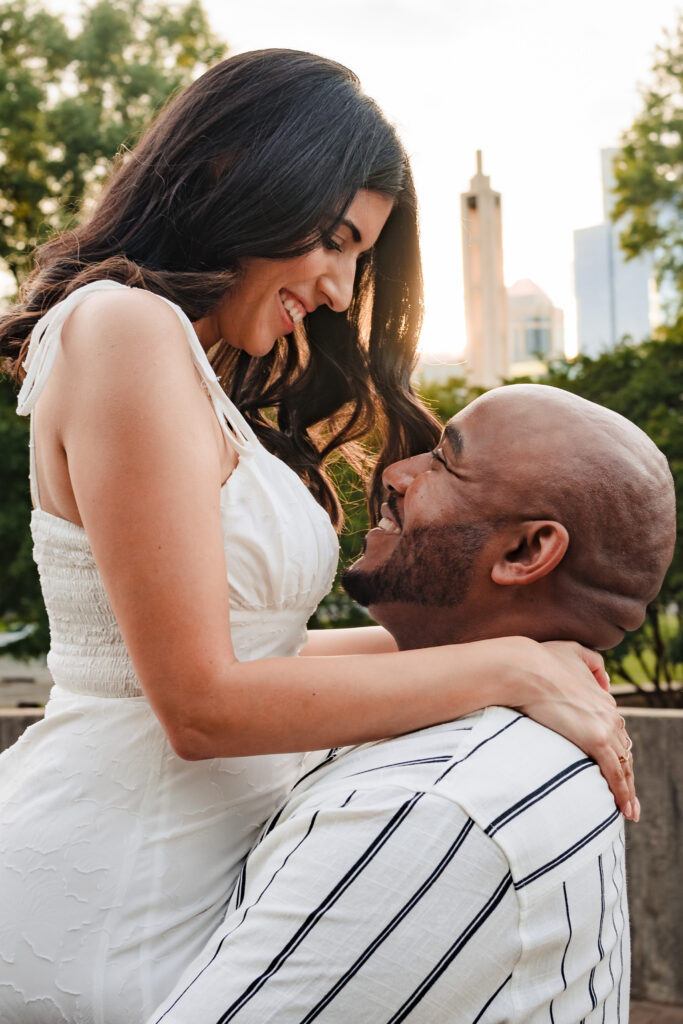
655, 1013
13, 721
654, 848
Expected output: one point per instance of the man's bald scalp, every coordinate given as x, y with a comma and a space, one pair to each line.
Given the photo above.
609, 485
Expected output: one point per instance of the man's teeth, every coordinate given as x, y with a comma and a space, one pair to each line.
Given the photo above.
388, 526
294, 308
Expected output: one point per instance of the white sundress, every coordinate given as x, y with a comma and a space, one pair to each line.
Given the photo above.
116, 856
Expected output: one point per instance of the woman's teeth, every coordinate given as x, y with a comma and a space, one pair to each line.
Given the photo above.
388, 526
295, 309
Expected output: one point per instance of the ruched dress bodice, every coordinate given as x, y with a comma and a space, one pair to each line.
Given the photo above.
280, 551
116, 857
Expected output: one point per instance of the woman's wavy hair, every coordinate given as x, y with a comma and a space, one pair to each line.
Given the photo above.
260, 157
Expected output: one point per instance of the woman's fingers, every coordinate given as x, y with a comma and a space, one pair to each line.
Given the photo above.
615, 760
617, 768
625, 762
595, 662
589, 716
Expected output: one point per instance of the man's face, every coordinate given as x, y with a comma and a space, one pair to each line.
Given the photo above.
442, 509
525, 481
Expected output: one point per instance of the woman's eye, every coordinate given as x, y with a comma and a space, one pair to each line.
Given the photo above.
330, 243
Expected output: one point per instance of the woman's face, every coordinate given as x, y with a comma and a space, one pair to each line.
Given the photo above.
271, 296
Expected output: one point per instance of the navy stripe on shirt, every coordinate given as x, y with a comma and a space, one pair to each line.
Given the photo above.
392, 925
335, 894
566, 854
457, 947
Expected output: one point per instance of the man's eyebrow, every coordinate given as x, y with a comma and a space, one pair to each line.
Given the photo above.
454, 438
355, 233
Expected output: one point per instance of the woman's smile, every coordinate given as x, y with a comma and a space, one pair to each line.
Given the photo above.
271, 296
293, 306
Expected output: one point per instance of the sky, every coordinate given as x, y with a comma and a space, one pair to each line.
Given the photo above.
540, 86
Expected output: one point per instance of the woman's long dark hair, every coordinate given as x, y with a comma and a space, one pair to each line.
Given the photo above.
260, 157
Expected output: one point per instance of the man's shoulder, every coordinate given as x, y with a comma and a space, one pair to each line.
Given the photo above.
412, 761
532, 792
535, 794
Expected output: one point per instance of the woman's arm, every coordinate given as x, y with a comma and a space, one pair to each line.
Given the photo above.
567, 709
354, 640
146, 467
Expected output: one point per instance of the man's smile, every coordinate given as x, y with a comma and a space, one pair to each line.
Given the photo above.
391, 520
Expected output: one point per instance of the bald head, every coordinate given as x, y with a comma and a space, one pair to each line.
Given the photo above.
539, 513
601, 477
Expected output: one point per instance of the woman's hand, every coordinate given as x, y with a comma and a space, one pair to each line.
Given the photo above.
570, 703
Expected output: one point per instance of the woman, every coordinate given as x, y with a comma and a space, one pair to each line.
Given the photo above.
267, 219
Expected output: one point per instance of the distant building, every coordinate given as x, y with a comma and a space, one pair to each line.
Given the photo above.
535, 328
614, 296
485, 301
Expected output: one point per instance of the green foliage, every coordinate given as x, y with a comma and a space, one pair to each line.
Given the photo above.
70, 100
20, 597
649, 169
447, 399
337, 610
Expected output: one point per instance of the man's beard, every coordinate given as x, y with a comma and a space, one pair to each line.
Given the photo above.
432, 566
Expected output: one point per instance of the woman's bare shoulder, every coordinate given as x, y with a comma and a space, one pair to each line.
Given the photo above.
125, 352
127, 323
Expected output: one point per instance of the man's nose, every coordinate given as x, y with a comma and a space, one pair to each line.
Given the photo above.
400, 475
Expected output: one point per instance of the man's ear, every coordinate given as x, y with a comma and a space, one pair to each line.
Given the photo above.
532, 551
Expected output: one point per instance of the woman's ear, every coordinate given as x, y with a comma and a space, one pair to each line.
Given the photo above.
534, 549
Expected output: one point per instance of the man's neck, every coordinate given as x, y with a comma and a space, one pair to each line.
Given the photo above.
420, 626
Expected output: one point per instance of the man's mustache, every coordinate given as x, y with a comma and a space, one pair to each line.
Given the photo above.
392, 502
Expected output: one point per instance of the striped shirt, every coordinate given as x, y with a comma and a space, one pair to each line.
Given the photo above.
470, 872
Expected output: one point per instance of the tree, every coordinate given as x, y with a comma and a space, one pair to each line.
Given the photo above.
70, 100
649, 170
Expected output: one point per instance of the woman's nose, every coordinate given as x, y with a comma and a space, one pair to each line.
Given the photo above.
400, 475
337, 285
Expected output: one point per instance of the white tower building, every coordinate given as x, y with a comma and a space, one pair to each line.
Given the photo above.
485, 299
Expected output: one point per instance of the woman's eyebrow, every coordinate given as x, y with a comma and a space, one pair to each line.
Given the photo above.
355, 233
454, 438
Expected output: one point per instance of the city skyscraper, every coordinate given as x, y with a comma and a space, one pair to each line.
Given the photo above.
613, 294
485, 299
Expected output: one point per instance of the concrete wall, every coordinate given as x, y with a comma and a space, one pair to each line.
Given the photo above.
654, 847
654, 861
13, 721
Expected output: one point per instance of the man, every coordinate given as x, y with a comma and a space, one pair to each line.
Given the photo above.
472, 871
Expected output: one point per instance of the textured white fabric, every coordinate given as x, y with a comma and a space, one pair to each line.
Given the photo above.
117, 857
472, 872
